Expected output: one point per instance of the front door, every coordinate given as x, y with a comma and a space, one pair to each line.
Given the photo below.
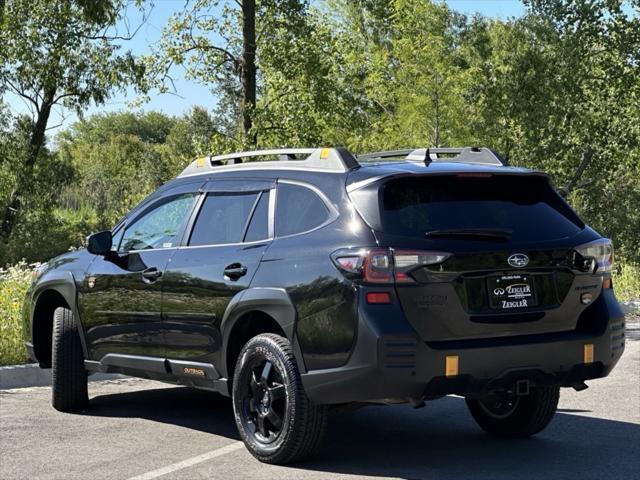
230, 233
121, 300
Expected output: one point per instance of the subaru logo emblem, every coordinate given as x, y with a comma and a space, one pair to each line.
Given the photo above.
518, 260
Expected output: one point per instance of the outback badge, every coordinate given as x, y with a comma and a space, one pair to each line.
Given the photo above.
518, 260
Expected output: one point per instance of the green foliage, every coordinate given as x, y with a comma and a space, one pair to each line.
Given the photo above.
626, 282
63, 48
102, 167
13, 286
370, 75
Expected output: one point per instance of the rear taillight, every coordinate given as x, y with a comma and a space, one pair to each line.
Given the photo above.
406, 261
378, 266
596, 256
384, 265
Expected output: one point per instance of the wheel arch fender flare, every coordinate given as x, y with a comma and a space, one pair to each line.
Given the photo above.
274, 302
63, 283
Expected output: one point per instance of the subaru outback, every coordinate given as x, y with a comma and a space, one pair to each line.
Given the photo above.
313, 279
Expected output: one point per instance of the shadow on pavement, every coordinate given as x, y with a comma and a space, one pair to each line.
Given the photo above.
185, 407
440, 441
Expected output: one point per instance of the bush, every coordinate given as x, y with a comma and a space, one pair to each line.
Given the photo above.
626, 282
13, 286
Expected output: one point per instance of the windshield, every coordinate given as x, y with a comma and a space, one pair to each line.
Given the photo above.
525, 206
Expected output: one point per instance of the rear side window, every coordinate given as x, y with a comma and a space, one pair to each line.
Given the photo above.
528, 206
259, 225
298, 209
222, 218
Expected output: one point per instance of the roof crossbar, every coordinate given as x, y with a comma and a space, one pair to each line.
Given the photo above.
400, 154
479, 155
328, 159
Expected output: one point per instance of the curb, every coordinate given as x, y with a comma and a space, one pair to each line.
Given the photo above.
630, 308
31, 375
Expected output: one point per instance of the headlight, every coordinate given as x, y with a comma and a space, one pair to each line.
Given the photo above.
599, 252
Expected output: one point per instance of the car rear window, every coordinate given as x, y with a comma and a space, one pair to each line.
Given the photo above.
526, 205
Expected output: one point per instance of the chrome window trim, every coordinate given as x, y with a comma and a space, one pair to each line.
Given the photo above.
240, 244
271, 212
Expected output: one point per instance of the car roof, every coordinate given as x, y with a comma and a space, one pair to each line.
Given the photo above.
328, 167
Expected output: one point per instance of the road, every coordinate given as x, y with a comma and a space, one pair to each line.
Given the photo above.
153, 430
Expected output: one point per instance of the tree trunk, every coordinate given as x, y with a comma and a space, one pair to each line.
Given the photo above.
25, 172
248, 67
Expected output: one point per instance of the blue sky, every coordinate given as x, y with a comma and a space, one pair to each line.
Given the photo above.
191, 93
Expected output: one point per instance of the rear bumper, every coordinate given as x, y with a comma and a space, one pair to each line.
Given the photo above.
389, 361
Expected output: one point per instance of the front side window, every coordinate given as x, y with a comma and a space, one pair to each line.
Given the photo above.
159, 227
298, 209
223, 218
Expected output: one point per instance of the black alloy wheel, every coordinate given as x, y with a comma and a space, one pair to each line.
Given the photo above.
506, 415
500, 406
277, 422
264, 401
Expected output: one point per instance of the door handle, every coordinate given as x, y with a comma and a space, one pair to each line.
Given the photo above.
151, 274
235, 271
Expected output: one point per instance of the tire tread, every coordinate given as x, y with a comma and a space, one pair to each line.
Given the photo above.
69, 377
307, 430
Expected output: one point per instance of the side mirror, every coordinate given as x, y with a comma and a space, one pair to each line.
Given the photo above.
99, 243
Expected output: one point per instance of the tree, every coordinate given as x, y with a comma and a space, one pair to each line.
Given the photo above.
117, 160
190, 137
58, 52
219, 42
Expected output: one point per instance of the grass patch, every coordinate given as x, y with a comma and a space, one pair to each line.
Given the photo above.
13, 285
626, 282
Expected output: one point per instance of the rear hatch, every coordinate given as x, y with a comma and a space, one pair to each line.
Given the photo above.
508, 246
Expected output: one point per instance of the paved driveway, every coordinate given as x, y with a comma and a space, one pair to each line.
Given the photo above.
138, 428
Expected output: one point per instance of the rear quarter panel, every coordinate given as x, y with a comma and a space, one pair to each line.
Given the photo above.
324, 300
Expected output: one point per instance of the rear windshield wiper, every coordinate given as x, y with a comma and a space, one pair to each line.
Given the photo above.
475, 233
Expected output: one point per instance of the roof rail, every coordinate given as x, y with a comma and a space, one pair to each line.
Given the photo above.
327, 159
401, 154
480, 155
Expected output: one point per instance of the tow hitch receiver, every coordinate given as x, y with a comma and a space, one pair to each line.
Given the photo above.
523, 387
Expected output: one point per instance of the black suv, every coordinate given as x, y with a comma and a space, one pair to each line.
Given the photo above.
320, 280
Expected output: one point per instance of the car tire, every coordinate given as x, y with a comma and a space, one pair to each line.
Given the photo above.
524, 416
277, 422
69, 377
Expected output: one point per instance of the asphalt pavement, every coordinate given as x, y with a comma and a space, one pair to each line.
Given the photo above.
142, 429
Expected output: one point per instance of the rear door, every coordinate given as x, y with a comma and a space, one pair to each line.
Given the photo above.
230, 232
508, 241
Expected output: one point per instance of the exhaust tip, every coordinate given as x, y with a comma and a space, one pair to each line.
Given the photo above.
579, 386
